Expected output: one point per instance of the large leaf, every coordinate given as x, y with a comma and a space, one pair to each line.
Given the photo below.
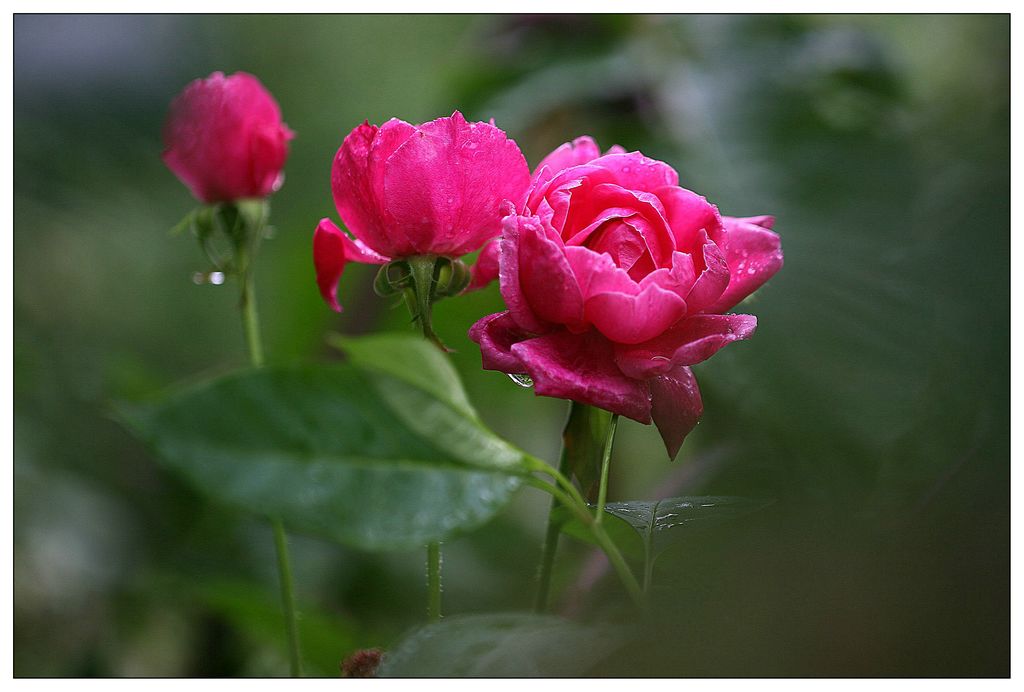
424, 391
320, 447
500, 645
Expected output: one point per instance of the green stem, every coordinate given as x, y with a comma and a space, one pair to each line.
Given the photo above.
420, 298
251, 318
434, 581
581, 510
606, 459
284, 569
547, 560
251, 326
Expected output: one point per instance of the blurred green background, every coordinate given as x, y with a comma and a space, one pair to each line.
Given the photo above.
872, 404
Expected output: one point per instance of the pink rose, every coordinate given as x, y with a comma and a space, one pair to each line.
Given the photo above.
616, 280
406, 190
225, 140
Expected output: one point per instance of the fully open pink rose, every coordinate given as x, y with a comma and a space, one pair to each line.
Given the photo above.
405, 190
616, 280
224, 138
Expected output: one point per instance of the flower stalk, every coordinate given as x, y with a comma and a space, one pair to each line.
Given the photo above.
246, 234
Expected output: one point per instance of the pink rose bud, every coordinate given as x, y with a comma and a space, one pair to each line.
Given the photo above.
616, 281
225, 140
435, 189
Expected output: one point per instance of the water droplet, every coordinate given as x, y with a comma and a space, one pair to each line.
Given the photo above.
521, 379
214, 278
750, 271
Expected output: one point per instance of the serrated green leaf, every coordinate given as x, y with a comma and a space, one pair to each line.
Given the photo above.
320, 448
500, 645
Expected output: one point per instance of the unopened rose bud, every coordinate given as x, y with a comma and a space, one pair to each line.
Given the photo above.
225, 140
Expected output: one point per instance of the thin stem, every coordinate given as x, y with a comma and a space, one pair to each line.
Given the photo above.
251, 326
550, 547
606, 459
251, 319
434, 581
581, 510
284, 569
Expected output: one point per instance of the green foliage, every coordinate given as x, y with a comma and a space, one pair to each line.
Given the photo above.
330, 451
644, 529
500, 645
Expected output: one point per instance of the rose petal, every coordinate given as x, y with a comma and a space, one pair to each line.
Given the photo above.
633, 319
352, 186
676, 406
638, 172
712, 279
446, 183
332, 250
509, 273
581, 367
546, 279
753, 254
485, 269
687, 214
580, 150
606, 201
496, 335
690, 341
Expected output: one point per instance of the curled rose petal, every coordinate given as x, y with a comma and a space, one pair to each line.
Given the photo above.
581, 367
676, 406
712, 279
332, 250
546, 279
689, 342
508, 271
753, 253
496, 334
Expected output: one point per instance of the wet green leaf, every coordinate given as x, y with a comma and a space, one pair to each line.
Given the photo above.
320, 447
422, 388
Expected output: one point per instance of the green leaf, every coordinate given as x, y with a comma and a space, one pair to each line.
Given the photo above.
500, 645
659, 523
319, 447
422, 388
622, 534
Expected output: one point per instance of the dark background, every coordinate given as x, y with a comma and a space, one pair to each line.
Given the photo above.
872, 404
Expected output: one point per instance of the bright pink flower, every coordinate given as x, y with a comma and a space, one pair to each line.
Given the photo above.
405, 190
224, 138
616, 280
